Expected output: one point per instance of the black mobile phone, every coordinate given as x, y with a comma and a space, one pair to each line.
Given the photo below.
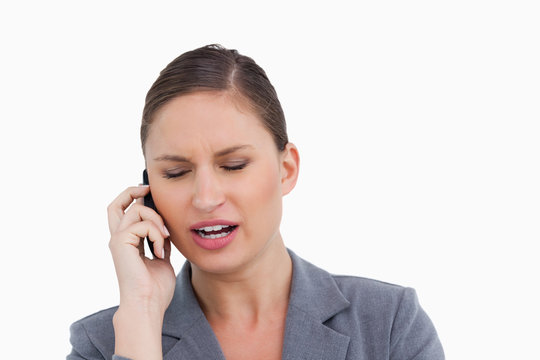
149, 201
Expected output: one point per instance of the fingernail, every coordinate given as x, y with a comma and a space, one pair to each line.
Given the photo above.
143, 185
163, 253
166, 231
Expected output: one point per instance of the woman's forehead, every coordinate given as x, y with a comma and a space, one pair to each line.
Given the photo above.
208, 119
231, 98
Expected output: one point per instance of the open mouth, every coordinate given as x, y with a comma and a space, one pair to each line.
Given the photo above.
216, 231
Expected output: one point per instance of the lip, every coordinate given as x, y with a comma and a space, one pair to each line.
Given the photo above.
213, 244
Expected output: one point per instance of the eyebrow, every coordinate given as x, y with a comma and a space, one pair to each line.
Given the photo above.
226, 151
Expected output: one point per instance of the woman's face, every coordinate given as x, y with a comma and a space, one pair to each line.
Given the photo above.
217, 179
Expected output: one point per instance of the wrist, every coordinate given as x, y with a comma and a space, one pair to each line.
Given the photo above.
148, 306
137, 332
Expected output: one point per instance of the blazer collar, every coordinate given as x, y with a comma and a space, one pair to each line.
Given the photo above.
314, 299
314, 291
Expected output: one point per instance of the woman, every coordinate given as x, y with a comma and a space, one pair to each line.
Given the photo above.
219, 162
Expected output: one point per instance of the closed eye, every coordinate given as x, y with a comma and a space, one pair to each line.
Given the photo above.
234, 167
177, 174
171, 174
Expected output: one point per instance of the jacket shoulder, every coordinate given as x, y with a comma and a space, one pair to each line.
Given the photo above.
381, 310
92, 337
369, 291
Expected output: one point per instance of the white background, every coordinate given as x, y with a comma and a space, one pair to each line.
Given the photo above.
417, 123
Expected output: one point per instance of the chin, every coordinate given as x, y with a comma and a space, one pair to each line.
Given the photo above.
223, 261
218, 261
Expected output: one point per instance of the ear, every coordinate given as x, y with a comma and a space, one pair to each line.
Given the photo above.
290, 165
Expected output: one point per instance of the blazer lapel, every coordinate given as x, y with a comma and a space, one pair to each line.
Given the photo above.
315, 298
187, 334
198, 343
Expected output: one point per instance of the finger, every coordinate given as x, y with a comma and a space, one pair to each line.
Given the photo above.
147, 229
134, 236
115, 210
138, 212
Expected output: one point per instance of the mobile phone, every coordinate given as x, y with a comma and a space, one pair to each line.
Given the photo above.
149, 201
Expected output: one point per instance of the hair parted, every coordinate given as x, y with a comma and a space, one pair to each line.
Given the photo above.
214, 67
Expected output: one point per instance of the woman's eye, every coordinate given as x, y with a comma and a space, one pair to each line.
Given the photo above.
234, 167
174, 174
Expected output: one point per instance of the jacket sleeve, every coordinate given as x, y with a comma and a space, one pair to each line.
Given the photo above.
413, 335
83, 347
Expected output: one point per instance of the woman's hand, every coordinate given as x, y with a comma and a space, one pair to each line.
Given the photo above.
146, 285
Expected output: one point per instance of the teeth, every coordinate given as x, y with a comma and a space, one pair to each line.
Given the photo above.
205, 231
214, 236
213, 228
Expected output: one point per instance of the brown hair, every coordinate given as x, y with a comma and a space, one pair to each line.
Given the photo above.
213, 67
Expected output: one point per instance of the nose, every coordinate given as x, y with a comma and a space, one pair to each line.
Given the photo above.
208, 194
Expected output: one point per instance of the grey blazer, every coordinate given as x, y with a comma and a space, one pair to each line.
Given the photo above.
329, 318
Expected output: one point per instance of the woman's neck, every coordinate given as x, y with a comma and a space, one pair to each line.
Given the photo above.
257, 290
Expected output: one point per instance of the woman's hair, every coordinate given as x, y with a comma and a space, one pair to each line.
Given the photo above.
213, 67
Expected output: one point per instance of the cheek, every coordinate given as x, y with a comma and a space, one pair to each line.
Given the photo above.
263, 191
171, 204
261, 196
